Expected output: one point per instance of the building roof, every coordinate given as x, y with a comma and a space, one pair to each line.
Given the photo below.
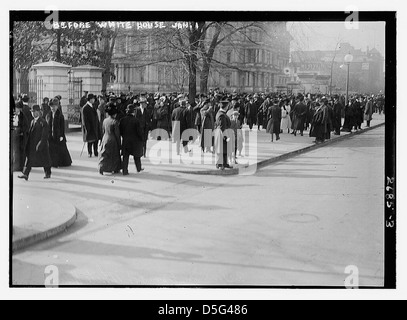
52, 64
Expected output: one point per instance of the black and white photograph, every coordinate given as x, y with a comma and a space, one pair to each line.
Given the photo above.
212, 150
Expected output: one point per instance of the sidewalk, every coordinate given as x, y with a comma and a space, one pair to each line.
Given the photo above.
36, 219
161, 155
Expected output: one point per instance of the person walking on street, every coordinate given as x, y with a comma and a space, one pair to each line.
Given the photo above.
90, 127
300, 113
20, 132
132, 144
144, 116
222, 139
285, 116
369, 112
320, 122
337, 116
37, 149
110, 159
274, 116
58, 150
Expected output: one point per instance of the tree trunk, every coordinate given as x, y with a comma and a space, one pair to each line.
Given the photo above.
204, 77
192, 79
108, 53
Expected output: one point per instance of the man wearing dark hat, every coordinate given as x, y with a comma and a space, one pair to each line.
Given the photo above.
251, 113
274, 119
337, 116
20, 135
300, 113
222, 124
180, 124
90, 128
37, 149
145, 117
133, 143
84, 99
26, 108
45, 107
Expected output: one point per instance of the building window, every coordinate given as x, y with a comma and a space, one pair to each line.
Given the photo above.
142, 75
228, 83
228, 57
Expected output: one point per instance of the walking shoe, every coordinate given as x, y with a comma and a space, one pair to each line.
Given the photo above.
47, 177
141, 170
227, 166
125, 173
23, 177
89, 155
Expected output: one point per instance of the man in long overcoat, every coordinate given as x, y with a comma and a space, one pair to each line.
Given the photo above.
90, 128
37, 148
251, 113
179, 125
132, 144
300, 114
145, 117
368, 112
337, 116
222, 137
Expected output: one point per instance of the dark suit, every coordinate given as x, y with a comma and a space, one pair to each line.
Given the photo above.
222, 124
251, 114
337, 117
300, 115
26, 111
90, 128
133, 143
20, 136
37, 148
58, 150
145, 119
274, 120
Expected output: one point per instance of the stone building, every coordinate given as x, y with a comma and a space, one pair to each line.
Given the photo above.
314, 69
249, 61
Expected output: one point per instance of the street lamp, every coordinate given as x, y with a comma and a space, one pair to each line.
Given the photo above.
348, 61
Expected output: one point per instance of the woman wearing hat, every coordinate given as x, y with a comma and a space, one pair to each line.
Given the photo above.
285, 116
110, 159
58, 150
274, 116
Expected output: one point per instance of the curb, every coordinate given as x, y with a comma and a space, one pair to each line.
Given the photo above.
23, 243
285, 156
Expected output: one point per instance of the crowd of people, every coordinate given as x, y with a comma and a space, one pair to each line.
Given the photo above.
116, 127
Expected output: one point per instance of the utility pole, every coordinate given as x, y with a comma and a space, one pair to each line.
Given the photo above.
332, 67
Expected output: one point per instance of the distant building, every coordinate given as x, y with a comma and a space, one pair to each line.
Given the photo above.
252, 61
313, 70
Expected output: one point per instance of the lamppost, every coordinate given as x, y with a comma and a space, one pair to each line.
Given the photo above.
348, 61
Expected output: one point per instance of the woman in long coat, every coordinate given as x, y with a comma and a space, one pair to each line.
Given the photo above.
208, 124
58, 150
110, 159
319, 123
285, 117
274, 122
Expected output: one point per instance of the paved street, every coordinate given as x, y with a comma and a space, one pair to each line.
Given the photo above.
297, 222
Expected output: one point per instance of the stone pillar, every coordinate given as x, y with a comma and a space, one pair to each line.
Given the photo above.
91, 78
55, 78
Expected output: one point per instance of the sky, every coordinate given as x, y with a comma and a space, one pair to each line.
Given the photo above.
325, 35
